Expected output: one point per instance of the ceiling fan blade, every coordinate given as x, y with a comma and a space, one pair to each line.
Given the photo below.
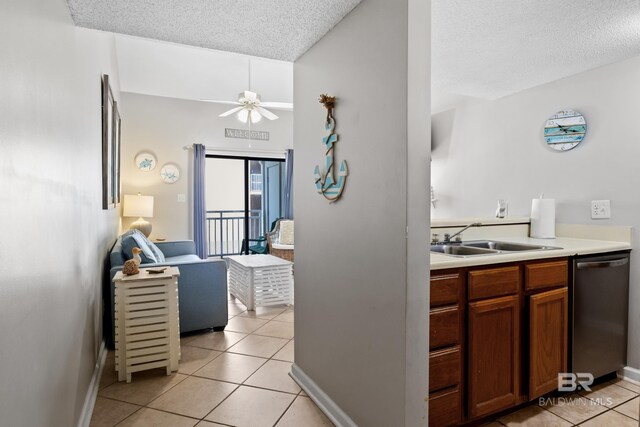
230, 112
266, 113
287, 106
215, 101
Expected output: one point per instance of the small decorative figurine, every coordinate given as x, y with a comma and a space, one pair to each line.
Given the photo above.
132, 266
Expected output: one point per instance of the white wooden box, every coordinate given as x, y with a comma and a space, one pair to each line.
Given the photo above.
260, 280
147, 328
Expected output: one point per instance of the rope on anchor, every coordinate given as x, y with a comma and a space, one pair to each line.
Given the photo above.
329, 103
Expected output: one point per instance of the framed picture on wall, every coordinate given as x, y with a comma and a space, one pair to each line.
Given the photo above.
116, 153
110, 147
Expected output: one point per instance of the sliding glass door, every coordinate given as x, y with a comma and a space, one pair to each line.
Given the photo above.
244, 196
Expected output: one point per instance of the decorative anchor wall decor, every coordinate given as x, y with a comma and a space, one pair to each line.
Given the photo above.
326, 183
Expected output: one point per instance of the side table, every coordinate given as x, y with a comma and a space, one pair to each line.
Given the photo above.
147, 326
260, 280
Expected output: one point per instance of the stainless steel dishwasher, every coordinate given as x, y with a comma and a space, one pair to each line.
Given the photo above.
599, 304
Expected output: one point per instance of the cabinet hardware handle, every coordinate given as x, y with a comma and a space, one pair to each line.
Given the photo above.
602, 264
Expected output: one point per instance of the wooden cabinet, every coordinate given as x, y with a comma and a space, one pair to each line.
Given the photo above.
444, 366
444, 408
494, 282
494, 355
444, 327
548, 331
498, 337
539, 275
446, 345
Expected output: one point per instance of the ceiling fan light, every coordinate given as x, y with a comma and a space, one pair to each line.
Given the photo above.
250, 96
243, 115
255, 116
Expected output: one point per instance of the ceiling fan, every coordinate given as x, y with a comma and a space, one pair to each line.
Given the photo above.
250, 107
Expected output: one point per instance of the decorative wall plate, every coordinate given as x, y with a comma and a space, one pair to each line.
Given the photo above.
565, 130
169, 173
146, 161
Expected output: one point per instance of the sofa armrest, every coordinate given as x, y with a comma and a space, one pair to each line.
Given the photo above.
176, 248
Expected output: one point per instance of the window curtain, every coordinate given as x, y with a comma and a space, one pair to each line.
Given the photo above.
288, 192
199, 208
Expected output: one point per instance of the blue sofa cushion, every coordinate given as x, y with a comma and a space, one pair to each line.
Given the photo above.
150, 252
183, 258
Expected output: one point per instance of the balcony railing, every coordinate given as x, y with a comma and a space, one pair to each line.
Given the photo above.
255, 183
225, 230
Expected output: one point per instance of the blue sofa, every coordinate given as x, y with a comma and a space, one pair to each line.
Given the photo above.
202, 287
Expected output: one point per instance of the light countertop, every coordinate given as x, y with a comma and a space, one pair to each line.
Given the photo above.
570, 247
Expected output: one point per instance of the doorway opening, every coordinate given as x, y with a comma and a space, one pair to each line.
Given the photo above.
244, 196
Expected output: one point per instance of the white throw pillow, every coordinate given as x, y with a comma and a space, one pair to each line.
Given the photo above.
285, 237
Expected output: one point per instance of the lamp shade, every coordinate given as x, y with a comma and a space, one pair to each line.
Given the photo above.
138, 205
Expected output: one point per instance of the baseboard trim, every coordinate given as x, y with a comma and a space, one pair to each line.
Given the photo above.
631, 374
92, 392
322, 399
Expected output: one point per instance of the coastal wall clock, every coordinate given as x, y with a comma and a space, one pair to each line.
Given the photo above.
565, 130
146, 161
169, 173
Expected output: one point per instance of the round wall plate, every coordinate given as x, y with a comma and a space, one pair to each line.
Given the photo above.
146, 161
170, 173
565, 130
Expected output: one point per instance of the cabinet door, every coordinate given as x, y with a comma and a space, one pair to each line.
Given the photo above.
494, 355
548, 329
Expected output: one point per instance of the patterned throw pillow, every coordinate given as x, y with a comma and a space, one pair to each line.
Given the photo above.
285, 236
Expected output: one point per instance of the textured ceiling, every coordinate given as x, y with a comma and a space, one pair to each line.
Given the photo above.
278, 29
493, 48
158, 68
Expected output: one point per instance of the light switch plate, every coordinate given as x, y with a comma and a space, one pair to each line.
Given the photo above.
182, 198
600, 209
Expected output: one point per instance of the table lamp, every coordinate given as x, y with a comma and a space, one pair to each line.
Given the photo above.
140, 206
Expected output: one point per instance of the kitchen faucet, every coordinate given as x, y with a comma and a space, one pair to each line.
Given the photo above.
448, 237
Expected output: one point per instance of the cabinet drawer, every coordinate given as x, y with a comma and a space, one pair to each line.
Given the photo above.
444, 368
546, 274
445, 289
494, 282
444, 408
444, 327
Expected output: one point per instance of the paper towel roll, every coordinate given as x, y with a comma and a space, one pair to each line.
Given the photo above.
543, 218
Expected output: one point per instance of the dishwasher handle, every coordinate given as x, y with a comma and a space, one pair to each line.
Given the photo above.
602, 264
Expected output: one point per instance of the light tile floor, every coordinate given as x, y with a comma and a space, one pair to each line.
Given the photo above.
612, 404
238, 377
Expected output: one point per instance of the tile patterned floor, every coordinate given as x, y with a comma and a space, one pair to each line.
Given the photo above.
612, 404
234, 378
240, 378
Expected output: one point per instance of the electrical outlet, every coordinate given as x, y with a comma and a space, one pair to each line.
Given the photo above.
182, 198
600, 209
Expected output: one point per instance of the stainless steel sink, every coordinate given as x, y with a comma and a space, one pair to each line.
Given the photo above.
485, 247
459, 250
506, 246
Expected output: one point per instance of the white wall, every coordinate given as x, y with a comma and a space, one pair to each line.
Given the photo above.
164, 126
484, 151
55, 235
353, 277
